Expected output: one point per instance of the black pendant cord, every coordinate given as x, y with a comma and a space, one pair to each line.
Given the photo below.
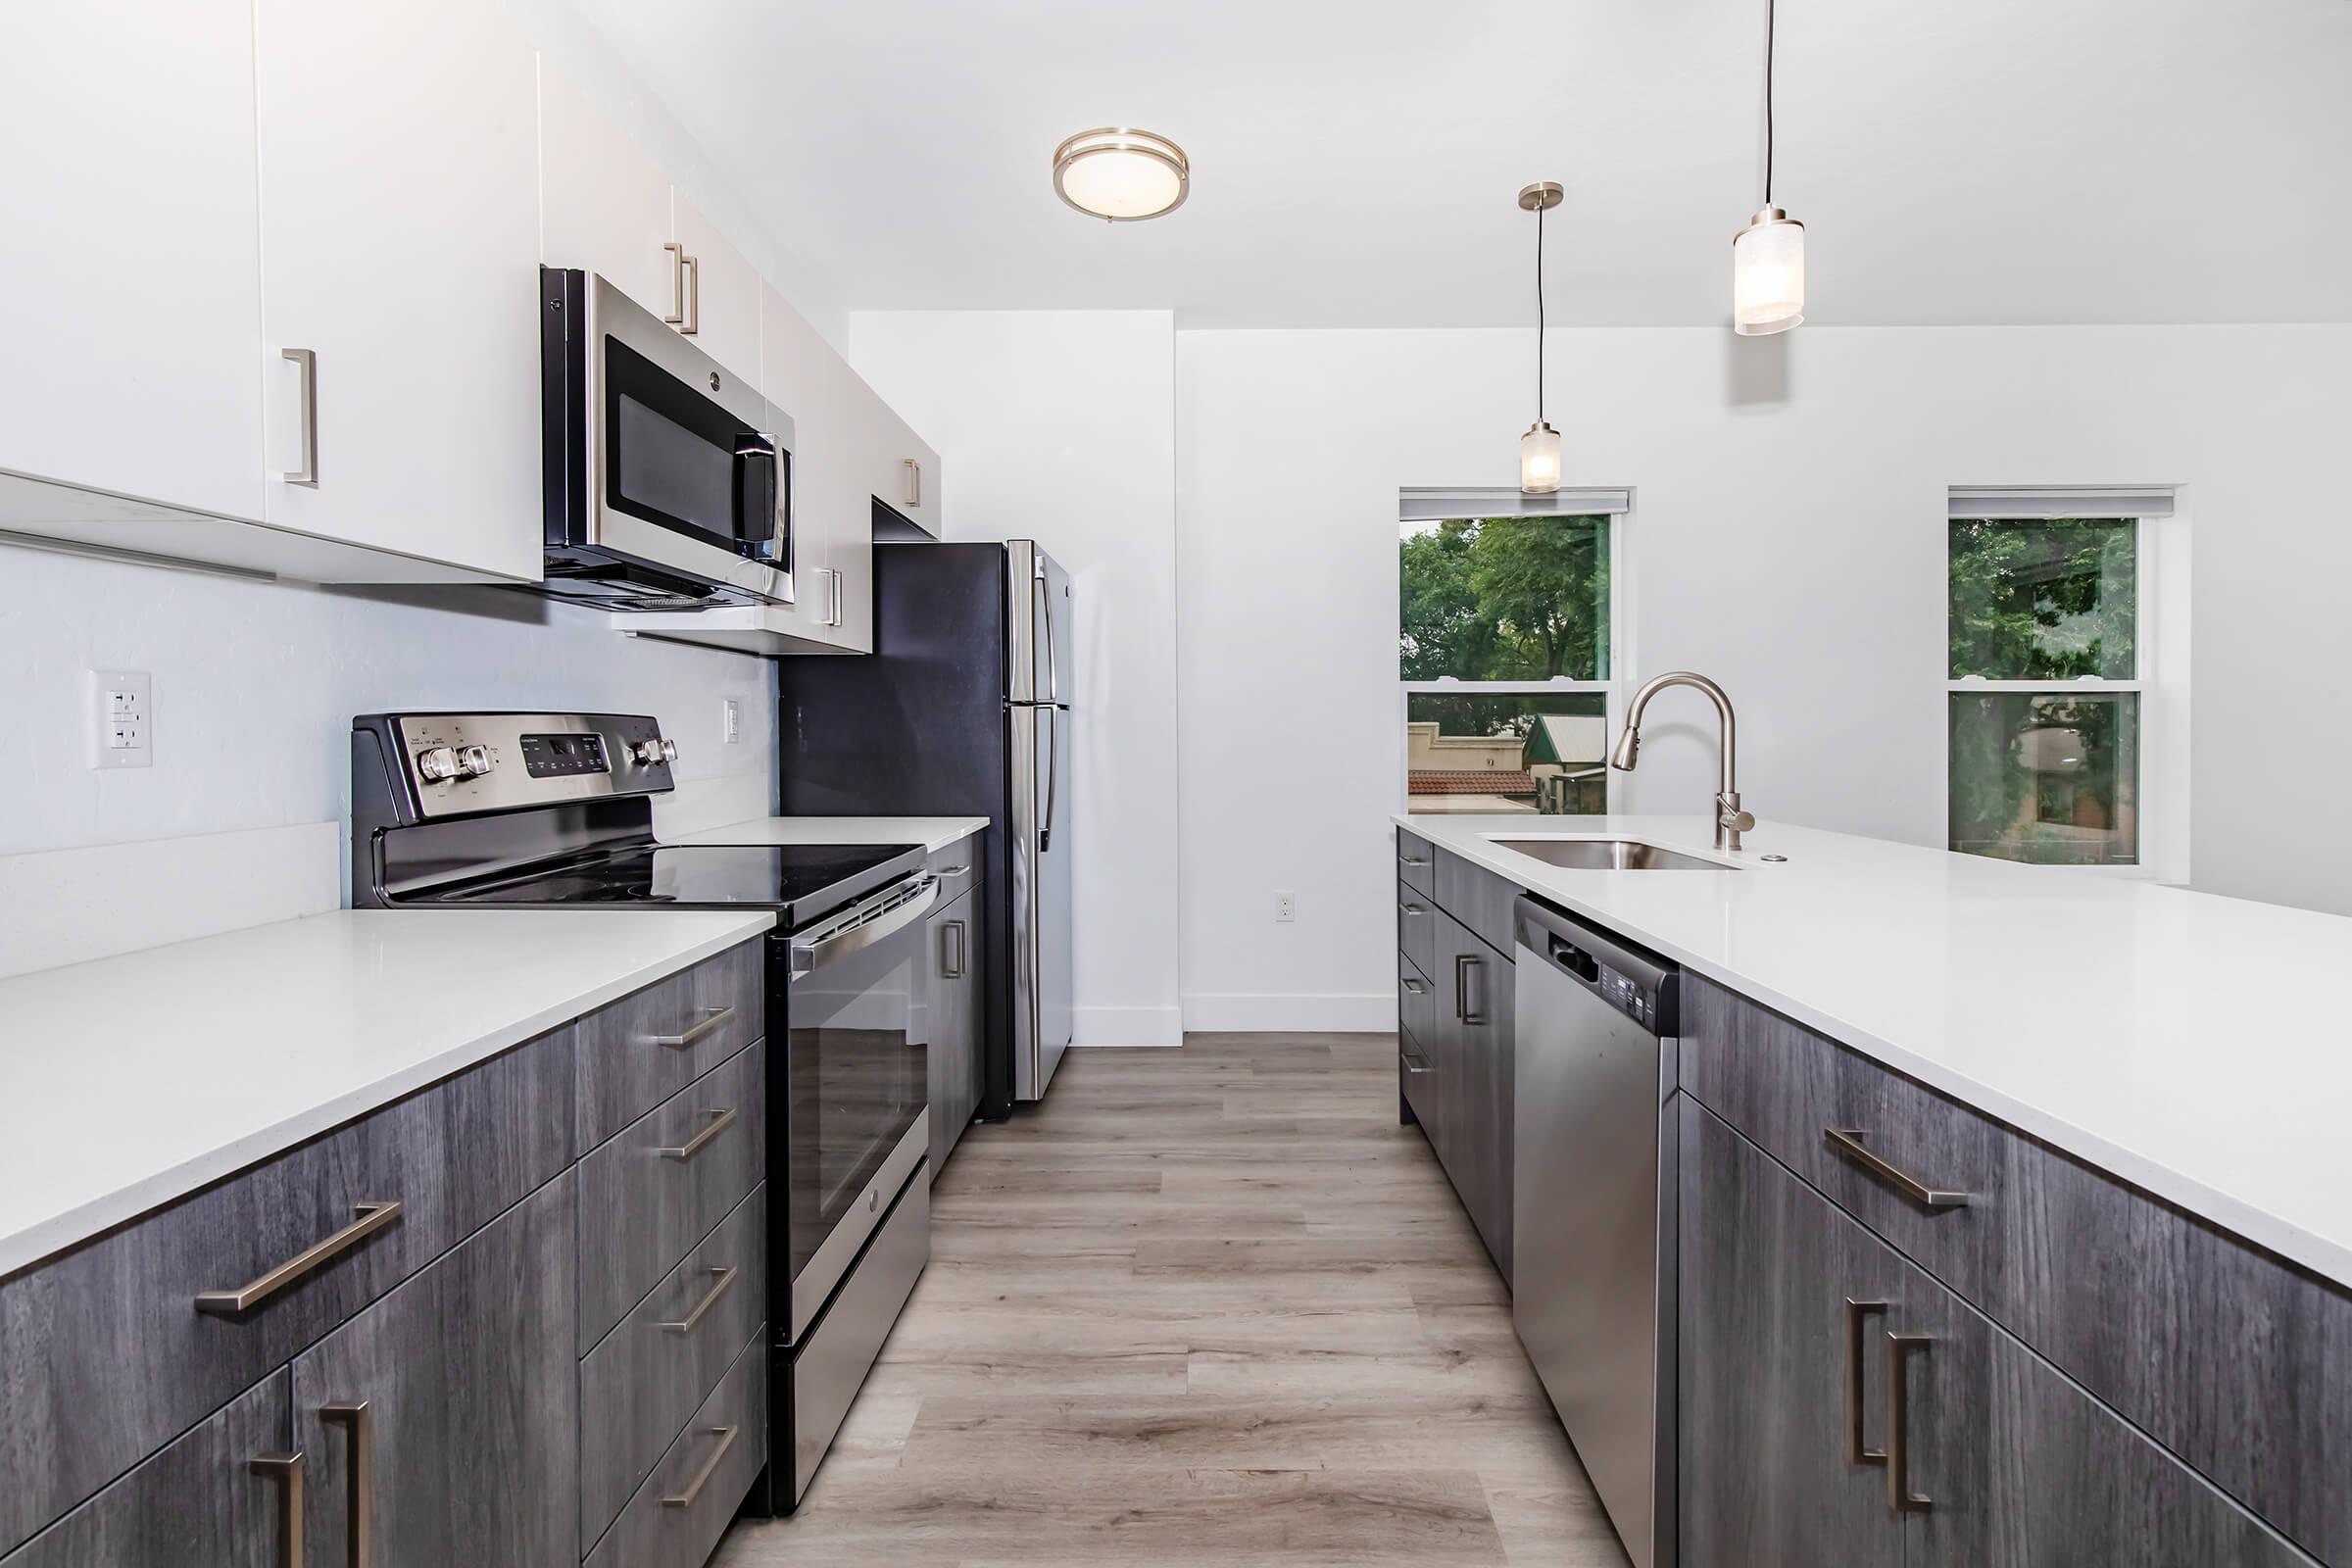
1769, 24
1540, 315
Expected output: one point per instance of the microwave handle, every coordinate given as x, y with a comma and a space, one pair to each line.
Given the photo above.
779, 541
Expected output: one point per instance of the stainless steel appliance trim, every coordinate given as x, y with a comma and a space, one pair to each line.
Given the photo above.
865, 923
832, 1362
684, 1498
825, 1267
285, 1469
358, 1422
371, 1217
1846, 1143
306, 360
613, 313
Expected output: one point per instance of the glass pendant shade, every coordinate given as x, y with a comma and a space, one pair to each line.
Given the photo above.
1538, 459
1768, 274
1124, 175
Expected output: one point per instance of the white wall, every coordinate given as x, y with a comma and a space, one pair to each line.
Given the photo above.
255, 685
1787, 538
1059, 426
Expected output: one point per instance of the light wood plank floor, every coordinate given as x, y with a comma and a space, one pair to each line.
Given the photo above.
1205, 1307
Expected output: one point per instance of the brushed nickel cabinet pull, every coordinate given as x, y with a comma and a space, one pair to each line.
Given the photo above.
373, 1217
307, 362
952, 968
915, 482
1414, 859
1848, 1145
286, 1470
694, 297
1464, 963
676, 314
1415, 987
1413, 1064
702, 1475
714, 1018
721, 1279
1857, 1315
1410, 908
720, 1121
358, 1509
1900, 1347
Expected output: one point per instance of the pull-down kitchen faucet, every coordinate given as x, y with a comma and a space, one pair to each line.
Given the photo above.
1729, 821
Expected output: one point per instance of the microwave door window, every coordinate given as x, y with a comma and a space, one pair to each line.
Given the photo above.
667, 469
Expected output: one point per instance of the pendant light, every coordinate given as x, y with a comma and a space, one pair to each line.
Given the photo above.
1539, 448
1768, 256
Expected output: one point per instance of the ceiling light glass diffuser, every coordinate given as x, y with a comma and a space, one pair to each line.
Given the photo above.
1768, 274
1121, 175
1540, 459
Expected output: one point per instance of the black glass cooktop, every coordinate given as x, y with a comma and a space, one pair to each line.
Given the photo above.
804, 880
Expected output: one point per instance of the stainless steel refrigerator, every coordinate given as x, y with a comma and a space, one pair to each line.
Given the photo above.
963, 709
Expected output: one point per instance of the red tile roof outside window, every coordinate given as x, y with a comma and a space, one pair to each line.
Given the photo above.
1482, 781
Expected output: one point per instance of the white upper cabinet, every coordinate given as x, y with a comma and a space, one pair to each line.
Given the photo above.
832, 519
400, 248
603, 204
722, 293
127, 197
905, 472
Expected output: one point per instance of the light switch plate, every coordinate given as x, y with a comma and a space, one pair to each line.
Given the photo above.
122, 719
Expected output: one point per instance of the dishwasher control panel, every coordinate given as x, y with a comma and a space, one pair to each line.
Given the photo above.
1636, 982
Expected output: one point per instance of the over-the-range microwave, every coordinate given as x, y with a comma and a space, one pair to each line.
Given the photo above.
669, 478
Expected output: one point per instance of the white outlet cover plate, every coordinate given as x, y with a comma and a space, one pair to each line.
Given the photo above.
122, 719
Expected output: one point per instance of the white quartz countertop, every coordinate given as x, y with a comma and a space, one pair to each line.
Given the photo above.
130, 1081
933, 833
2194, 1044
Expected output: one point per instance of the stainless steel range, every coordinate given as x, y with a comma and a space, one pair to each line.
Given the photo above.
468, 810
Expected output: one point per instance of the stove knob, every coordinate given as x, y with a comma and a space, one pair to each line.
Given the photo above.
473, 761
648, 753
437, 763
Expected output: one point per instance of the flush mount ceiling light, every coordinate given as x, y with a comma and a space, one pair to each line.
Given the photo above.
1539, 448
1121, 173
1768, 256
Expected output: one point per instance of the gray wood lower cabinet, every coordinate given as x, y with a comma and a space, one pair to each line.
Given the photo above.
442, 1423
1475, 1023
955, 1009
222, 1497
1795, 1445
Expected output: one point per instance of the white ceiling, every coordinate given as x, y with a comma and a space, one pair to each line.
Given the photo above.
1354, 162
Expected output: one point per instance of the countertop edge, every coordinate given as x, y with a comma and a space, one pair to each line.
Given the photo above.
63, 1232
2245, 1220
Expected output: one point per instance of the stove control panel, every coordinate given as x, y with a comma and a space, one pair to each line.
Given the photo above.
437, 764
460, 764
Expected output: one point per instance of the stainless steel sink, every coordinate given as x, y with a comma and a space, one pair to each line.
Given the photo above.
1610, 855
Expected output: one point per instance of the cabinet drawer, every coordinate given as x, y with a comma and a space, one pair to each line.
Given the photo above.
639, 1386
1416, 1001
1416, 863
1480, 899
676, 1517
647, 1047
199, 1501
1417, 1074
2137, 1302
663, 1182
110, 1334
1417, 928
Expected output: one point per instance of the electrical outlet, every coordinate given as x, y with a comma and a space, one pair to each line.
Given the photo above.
730, 721
1286, 907
122, 719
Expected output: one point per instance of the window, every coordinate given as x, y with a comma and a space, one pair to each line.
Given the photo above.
1506, 624
2049, 593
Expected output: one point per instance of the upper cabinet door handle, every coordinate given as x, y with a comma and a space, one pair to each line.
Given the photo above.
915, 482
714, 1018
1847, 1142
676, 314
373, 1217
693, 296
307, 362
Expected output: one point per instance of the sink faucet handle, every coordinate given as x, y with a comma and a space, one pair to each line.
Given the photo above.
1728, 814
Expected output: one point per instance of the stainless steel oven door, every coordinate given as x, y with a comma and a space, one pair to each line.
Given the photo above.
691, 468
857, 1083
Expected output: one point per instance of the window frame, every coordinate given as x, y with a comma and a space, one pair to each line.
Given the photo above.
1509, 503
2159, 680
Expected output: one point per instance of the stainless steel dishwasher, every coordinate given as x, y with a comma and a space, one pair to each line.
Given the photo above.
1594, 1201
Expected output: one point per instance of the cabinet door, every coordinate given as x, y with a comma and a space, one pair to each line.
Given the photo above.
1475, 1023
603, 204
1766, 1440
903, 471
2020, 1467
954, 1049
400, 245
221, 1496
722, 293
805, 379
128, 186
442, 1423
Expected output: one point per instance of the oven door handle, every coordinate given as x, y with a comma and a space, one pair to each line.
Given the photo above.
809, 955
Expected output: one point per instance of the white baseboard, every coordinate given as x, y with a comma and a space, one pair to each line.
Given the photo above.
1283, 1012
71, 906
1128, 1026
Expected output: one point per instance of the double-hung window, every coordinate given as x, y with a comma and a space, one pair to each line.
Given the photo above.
2050, 692
1506, 635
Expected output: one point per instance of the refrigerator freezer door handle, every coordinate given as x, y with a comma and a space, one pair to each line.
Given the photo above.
1043, 591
